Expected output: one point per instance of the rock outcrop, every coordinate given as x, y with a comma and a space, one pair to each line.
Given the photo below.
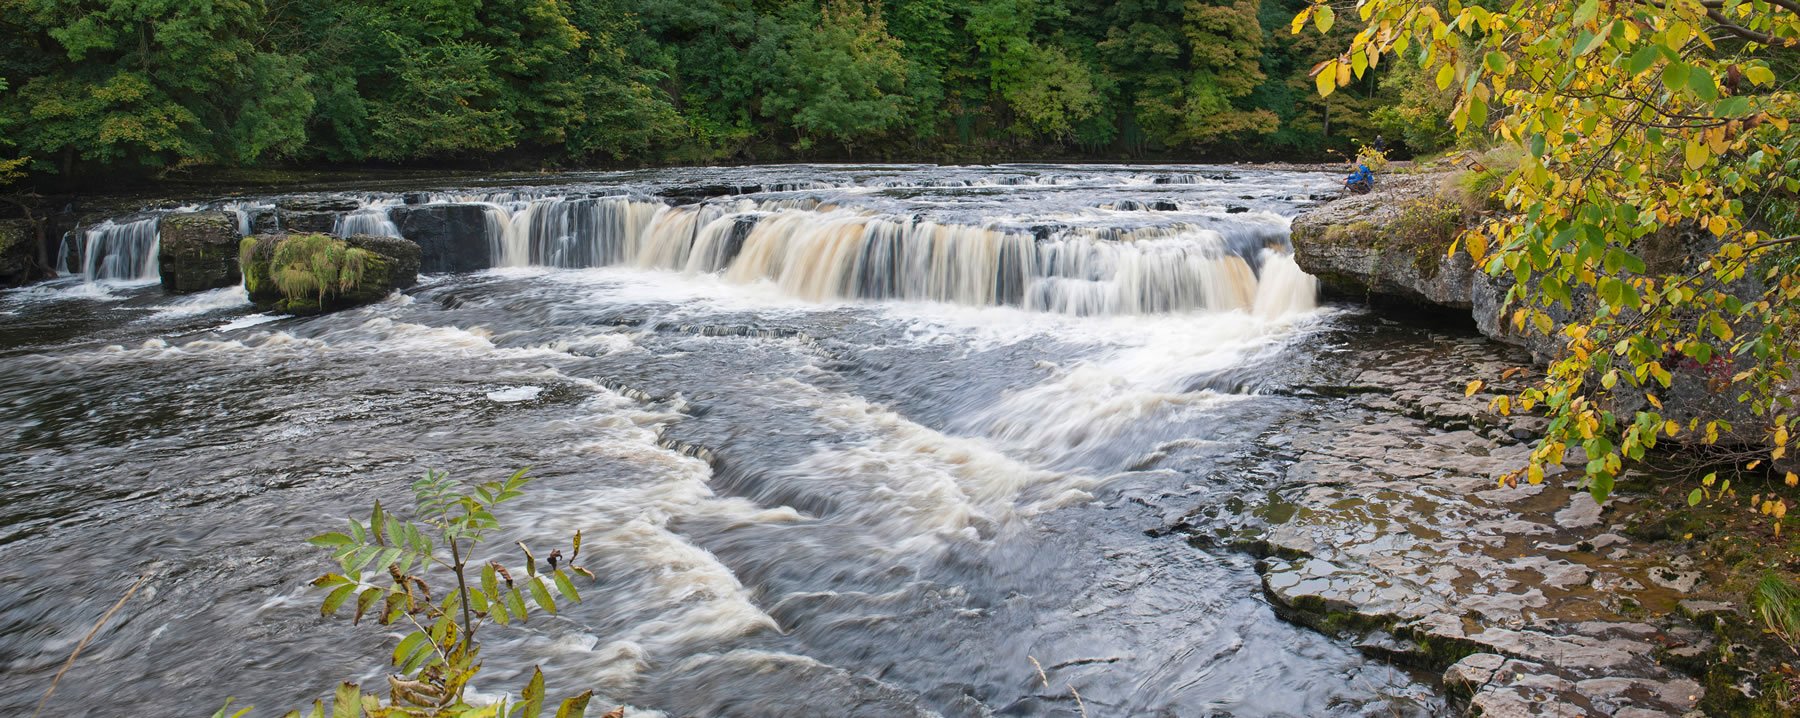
1390, 244
451, 237
18, 252
198, 251
316, 273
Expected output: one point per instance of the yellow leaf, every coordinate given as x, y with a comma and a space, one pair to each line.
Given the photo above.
1717, 225
1696, 155
1445, 76
1343, 74
1656, 403
1793, 479
1327, 80
1535, 474
1670, 427
1323, 18
1473, 387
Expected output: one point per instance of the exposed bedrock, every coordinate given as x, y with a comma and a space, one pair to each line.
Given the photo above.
1390, 530
198, 251
451, 237
1389, 244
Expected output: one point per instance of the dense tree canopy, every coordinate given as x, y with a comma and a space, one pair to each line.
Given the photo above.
90, 88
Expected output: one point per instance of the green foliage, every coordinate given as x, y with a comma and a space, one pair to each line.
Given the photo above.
91, 87
386, 568
1777, 602
1652, 222
307, 266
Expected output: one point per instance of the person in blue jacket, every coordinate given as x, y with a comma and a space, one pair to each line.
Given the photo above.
1360, 181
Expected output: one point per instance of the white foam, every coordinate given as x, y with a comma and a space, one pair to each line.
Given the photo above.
514, 394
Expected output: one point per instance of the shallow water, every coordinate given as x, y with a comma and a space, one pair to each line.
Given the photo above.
909, 505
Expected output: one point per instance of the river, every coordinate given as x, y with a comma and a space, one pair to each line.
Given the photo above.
820, 470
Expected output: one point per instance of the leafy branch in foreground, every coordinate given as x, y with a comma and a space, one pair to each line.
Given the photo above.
1652, 224
385, 565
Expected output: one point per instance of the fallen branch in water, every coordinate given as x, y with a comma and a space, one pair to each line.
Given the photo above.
84, 641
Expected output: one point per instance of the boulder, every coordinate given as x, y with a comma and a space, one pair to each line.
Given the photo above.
361, 269
198, 251
18, 252
1389, 245
451, 237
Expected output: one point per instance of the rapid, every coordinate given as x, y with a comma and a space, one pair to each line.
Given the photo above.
842, 440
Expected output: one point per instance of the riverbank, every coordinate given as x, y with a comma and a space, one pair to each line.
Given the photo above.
1394, 529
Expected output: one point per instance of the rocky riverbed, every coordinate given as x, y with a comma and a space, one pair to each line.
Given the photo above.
1391, 529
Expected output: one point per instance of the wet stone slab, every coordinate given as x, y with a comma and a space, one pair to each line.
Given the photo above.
1394, 533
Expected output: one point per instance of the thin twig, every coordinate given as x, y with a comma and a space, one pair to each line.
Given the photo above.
84, 641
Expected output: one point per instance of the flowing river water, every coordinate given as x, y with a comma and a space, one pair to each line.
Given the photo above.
873, 441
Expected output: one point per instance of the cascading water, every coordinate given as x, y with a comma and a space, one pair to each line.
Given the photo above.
799, 501
120, 251
371, 219
850, 255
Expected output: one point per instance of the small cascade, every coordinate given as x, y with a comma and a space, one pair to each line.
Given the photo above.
120, 251
371, 219
571, 233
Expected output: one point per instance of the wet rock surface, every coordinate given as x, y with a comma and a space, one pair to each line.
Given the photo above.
198, 251
451, 237
1390, 530
18, 252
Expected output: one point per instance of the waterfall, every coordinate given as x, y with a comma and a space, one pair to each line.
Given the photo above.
823, 254
120, 252
371, 219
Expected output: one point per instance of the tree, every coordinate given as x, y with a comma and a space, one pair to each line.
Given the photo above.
1641, 124
844, 77
139, 82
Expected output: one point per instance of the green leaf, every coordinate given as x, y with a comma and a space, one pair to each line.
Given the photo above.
1601, 487
1700, 80
331, 539
533, 695
1694, 497
1642, 60
1495, 61
336, 598
515, 601
348, 702
1324, 18
575, 707
1585, 13
1674, 76
410, 645
1759, 74
541, 594
565, 586
364, 601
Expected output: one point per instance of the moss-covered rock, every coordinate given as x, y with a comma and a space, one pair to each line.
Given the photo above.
198, 251
316, 273
1391, 244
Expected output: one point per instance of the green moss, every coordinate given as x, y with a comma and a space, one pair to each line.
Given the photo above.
309, 273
